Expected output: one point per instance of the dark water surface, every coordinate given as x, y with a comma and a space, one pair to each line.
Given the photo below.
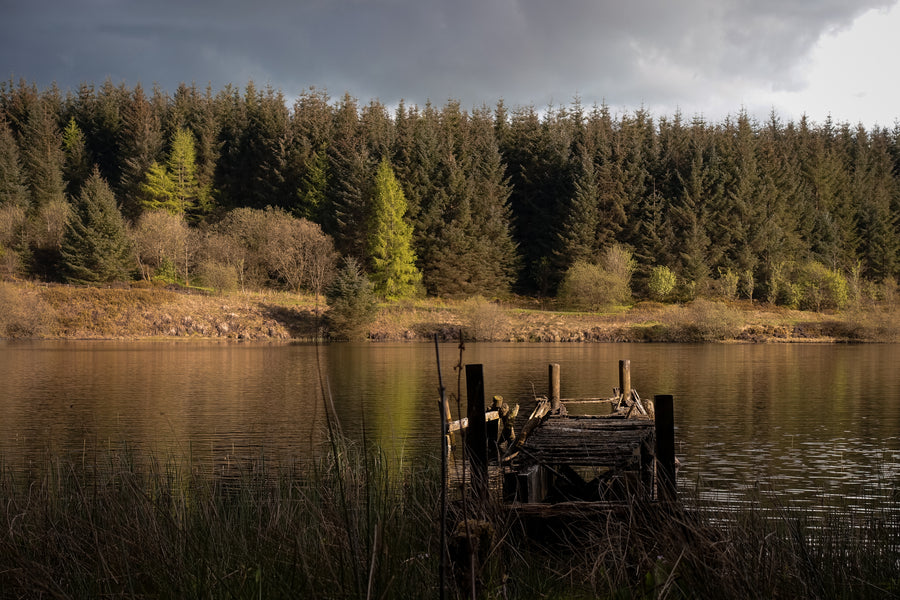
816, 423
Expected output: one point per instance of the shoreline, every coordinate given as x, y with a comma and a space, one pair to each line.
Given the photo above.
158, 313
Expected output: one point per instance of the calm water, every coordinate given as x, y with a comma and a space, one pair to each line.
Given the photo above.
812, 422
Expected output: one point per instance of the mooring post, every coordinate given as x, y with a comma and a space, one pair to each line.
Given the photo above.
625, 380
554, 387
666, 490
476, 432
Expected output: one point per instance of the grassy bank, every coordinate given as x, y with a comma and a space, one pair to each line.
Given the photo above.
30, 310
355, 526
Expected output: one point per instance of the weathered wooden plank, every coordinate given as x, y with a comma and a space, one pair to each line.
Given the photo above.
615, 443
491, 415
589, 400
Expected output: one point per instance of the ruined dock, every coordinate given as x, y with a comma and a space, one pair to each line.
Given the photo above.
570, 453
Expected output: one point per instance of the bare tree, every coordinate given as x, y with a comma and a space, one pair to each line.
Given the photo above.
161, 237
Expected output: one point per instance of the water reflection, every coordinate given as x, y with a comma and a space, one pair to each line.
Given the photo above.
808, 422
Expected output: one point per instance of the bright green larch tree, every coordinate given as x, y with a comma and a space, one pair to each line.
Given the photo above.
174, 187
394, 271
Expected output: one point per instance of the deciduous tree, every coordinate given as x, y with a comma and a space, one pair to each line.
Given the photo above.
394, 271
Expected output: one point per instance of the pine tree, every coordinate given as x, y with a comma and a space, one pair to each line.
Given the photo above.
43, 157
76, 165
578, 237
874, 190
95, 248
13, 191
394, 271
142, 144
313, 190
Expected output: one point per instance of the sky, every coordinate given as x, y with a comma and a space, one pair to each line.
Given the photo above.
711, 58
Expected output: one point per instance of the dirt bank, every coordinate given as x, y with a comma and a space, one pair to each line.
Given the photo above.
41, 311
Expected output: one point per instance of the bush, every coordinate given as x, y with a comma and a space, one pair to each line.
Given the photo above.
23, 313
726, 286
703, 321
219, 276
589, 286
781, 287
661, 283
822, 288
352, 303
485, 321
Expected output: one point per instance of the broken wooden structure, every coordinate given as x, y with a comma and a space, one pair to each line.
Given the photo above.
614, 449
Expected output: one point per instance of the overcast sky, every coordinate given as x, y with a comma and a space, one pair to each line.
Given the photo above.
709, 57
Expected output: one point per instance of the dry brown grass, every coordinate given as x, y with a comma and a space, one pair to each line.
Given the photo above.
30, 310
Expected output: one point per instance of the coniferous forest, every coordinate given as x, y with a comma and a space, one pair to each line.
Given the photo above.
238, 188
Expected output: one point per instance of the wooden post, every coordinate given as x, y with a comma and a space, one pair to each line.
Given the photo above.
476, 433
666, 490
553, 394
625, 381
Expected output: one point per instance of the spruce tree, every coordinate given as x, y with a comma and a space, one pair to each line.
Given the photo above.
578, 237
141, 144
43, 157
312, 192
95, 248
12, 184
394, 271
76, 165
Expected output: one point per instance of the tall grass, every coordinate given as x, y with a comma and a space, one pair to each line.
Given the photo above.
354, 526
115, 529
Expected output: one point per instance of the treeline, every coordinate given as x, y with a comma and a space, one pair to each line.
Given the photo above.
493, 200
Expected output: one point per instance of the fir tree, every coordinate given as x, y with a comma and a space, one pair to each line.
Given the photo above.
12, 185
76, 165
95, 248
578, 238
394, 271
43, 157
142, 144
312, 192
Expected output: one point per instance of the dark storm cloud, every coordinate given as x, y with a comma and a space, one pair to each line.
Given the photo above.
655, 52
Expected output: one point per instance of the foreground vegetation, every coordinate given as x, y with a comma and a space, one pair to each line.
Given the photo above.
354, 525
50, 311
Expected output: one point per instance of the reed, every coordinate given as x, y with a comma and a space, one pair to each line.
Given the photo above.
356, 525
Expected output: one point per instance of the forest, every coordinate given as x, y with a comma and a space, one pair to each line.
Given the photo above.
241, 188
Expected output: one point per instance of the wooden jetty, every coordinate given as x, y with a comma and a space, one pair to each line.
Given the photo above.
622, 450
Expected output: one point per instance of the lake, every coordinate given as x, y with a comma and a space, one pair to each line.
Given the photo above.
809, 423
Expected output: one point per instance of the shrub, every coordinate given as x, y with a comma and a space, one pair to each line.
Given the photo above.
484, 320
726, 286
219, 276
589, 286
703, 321
781, 288
23, 313
822, 288
351, 301
661, 283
